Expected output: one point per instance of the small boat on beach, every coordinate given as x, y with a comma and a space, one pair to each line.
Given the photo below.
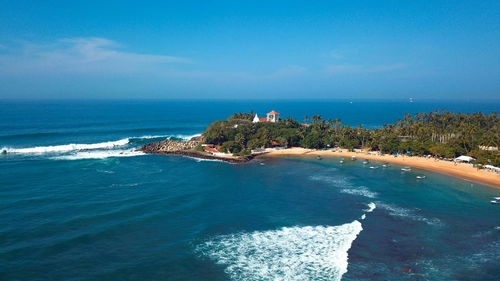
385, 165
354, 158
365, 162
373, 167
406, 169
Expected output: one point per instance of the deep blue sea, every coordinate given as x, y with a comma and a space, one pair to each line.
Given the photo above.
78, 203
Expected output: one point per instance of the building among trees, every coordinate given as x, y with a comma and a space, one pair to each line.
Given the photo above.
272, 116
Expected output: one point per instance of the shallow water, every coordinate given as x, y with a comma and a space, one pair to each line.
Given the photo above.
91, 213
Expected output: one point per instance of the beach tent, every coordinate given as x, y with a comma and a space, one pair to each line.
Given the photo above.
463, 158
493, 168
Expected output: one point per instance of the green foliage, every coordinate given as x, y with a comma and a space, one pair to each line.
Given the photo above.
242, 116
389, 144
231, 147
199, 148
439, 133
312, 140
443, 150
486, 157
244, 152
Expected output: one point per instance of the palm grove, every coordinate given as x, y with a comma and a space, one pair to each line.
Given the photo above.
438, 133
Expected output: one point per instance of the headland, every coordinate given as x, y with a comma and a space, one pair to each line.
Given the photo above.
440, 141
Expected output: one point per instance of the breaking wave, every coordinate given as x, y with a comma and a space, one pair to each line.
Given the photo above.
99, 154
98, 150
67, 147
289, 253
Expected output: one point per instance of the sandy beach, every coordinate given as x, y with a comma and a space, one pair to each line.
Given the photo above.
460, 170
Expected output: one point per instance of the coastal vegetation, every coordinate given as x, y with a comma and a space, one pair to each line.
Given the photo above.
439, 133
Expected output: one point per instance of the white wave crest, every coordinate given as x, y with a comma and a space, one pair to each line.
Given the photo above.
290, 253
397, 211
361, 191
151, 137
184, 137
371, 207
67, 147
99, 154
206, 160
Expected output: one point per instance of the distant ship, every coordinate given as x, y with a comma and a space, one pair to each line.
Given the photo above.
411, 99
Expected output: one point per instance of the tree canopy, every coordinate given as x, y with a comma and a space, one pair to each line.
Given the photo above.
438, 133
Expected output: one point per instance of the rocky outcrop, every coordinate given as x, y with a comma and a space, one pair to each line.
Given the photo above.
170, 146
208, 156
186, 148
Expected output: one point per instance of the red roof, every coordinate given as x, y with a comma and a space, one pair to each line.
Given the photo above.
273, 113
210, 149
275, 143
262, 119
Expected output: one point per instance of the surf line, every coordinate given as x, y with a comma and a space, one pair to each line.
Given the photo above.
316, 252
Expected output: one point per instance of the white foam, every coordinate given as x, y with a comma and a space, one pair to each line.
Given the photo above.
206, 160
67, 147
361, 191
87, 146
151, 137
99, 154
397, 211
184, 137
363, 216
290, 253
371, 207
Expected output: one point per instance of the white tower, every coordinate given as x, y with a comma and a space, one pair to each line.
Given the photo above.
273, 116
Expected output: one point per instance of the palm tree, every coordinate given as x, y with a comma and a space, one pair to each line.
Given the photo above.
316, 117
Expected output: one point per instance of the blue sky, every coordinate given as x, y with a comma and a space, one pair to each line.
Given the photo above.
250, 49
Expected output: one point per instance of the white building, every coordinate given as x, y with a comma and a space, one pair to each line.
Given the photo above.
272, 116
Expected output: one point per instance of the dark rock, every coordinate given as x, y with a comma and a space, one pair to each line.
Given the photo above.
186, 148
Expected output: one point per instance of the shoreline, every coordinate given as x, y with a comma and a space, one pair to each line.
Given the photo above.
204, 155
460, 170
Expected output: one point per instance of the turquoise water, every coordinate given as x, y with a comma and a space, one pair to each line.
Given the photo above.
77, 203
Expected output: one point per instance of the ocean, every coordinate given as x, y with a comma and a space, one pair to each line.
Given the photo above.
77, 202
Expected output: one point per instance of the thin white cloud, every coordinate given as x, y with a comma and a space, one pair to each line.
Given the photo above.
340, 69
89, 55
